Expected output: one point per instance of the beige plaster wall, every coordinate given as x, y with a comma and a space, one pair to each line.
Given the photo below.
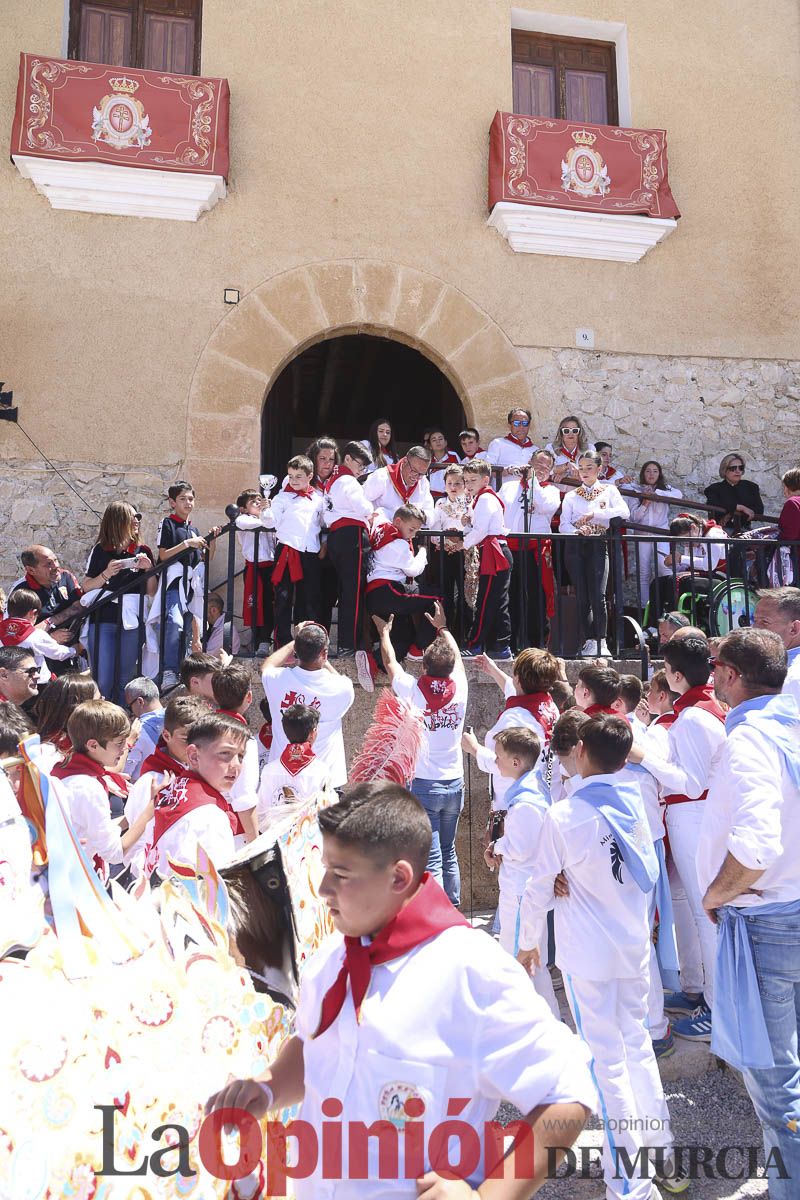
359, 131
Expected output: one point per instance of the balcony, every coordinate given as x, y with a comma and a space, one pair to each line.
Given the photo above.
102, 139
583, 191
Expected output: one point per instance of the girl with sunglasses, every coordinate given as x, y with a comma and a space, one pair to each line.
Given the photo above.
567, 447
739, 498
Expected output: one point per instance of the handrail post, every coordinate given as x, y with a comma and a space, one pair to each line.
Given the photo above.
227, 640
619, 588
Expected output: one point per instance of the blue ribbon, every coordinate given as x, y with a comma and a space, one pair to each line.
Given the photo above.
622, 807
773, 717
667, 944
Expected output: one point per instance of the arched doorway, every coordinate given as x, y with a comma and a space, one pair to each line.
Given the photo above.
340, 385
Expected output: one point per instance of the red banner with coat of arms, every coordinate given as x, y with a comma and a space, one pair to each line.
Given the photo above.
91, 112
590, 168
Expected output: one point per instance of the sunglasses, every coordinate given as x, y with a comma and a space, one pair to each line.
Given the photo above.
570, 430
525, 422
739, 470
137, 516
31, 672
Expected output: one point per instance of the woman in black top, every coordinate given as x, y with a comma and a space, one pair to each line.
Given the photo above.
739, 498
116, 560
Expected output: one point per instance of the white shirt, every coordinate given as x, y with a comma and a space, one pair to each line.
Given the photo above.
206, 826
506, 452
451, 514
386, 498
40, 644
488, 520
601, 510
86, 802
373, 466
602, 929
246, 527
277, 782
791, 684
325, 690
752, 812
694, 740
244, 794
543, 504
698, 555
136, 803
654, 513
346, 499
440, 756
397, 561
457, 1016
510, 718
562, 459
519, 844
298, 520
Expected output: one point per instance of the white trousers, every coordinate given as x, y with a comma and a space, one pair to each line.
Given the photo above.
508, 912
610, 1017
689, 957
656, 1018
646, 556
683, 826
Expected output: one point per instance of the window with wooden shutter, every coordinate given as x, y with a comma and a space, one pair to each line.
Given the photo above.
570, 79
158, 35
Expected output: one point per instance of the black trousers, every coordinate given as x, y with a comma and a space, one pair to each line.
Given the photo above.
298, 601
347, 549
446, 578
491, 624
587, 563
263, 599
527, 576
408, 609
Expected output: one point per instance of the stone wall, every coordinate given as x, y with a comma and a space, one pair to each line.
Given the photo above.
685, 412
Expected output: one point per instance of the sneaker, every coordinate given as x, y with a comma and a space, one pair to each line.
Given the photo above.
345, 652
674, 1180
665, 1046
414, 654
681, 1004
589, 649
501, 655
169, 680
697, 1027
472, 652
604, 650
263, 649
363, 671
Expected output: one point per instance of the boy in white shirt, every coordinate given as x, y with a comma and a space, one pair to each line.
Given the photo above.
298, 775
517, 752
531, 503
470, 442
19, 628
597, 839
296, 578
440, 694
413, 994
254, 527
233, 696
392, 561
491, 625
348, 511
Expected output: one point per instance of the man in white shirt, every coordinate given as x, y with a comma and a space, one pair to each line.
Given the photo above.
597, 838
315, 682
403, 482
778, 609
491, 624
440, 694
348, 512
513, 451
531, 503
748, 864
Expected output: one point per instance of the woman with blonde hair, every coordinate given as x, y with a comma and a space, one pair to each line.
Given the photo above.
737, 497
115, 636
567, 447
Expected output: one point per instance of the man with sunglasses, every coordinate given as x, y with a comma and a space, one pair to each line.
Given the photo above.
19, 675
514, 450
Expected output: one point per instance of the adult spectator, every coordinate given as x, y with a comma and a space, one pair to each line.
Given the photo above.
737, 497
513, 450
653, 511
313, 681
216, 627
19, 675
748, 867
403, 482
58, 591
380, 443
142, 698
778, 610
54, 708
567, 447
669, 625
789, 528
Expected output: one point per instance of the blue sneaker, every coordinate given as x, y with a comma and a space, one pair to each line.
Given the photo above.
502, 655
681, 1004
697, 1027
472, 652
665, 1046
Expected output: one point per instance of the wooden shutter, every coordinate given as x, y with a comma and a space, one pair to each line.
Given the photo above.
158, 35
569, 78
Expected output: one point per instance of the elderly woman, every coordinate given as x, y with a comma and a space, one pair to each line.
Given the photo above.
739, 498
567, 447
586, 513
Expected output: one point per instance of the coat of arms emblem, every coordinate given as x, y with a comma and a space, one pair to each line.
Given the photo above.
582, 169
119, 119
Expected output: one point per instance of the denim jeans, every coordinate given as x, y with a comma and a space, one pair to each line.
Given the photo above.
178, 629
775, 1091
443, 800
102, 655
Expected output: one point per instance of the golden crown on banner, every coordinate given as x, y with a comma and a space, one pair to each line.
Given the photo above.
125, 85
581, 137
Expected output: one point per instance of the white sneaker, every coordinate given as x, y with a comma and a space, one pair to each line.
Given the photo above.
589, 649
169, 680
604, 650
363, 671
263, 649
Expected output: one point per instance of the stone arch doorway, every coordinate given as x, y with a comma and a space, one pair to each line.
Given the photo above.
276, 321
339, 386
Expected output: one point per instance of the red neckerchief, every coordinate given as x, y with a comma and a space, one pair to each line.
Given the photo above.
607, 473
394, 471
477, 454
594, 710
700, 697
438, 693
226, 712
5, 699
15, 630
295, 756
449, 456
160, 762
80, 764
61, 742
572, 455
487, 491
309, 491
384, 535
34, 584
178, 520
666, 719
265, 735
427, 914
541, 706
336, 473
187, 792
522, 445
